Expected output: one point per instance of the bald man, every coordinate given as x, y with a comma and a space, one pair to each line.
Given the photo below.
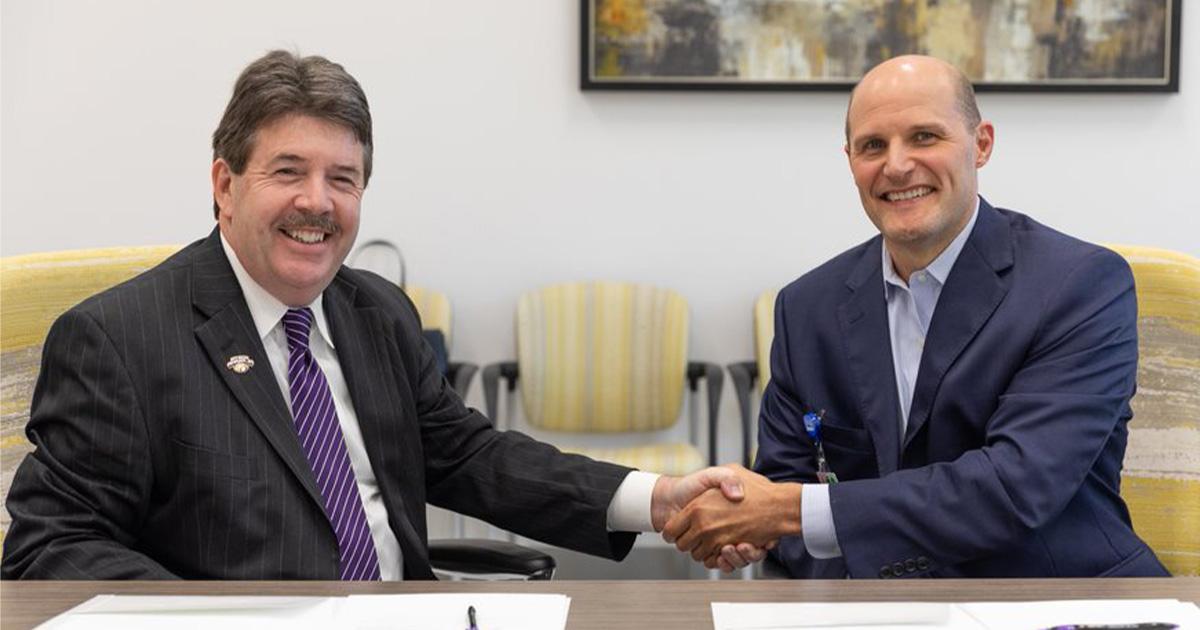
949, 398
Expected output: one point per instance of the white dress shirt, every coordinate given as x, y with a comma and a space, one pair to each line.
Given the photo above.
910, 307
629, 510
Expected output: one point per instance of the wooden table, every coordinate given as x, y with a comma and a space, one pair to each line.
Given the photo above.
658, 605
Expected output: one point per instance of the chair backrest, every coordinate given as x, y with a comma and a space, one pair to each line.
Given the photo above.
764, 333
433, 307
34, 290
602, 356
1161, 481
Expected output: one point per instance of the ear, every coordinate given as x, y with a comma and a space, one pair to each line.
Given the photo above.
222, 184
985, 139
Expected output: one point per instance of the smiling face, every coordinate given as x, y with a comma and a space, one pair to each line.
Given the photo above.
292, 215
914, 157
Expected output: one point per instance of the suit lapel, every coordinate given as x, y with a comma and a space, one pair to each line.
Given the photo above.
360, 337
229, 331
862, 316
973, 290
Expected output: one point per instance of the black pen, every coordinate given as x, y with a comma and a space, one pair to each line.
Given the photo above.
1144, 625
471, 618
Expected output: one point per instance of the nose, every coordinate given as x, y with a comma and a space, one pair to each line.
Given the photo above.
899, 163
314, 196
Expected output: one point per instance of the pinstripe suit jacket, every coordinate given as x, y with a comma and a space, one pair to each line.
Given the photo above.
153, 460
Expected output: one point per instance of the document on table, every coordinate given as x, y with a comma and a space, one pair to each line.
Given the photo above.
968, 616
132, 612
442, 611
1024, 615
448, 611
842, 615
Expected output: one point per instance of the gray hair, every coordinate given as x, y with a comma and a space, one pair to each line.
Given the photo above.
281, 83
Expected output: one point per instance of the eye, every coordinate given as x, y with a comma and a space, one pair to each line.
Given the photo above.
287, 171
924, 136
874, 144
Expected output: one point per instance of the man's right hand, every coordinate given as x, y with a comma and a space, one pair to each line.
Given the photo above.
729, 535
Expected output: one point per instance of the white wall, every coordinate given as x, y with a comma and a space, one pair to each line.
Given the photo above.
496, 174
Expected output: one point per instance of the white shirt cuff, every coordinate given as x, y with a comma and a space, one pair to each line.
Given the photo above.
816, 521
629, 510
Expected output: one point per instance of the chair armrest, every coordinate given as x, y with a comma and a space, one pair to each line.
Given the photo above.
744, 374
480, 558
491, 384
712, 373
460, 374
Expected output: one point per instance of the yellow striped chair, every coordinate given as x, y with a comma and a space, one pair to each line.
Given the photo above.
34, 290
608, 357
745, 374
1161, 478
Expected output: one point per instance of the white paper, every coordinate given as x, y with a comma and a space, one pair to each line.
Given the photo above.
494, 611
448, 611
842, 615
1037, 615
1047, 614
136, 612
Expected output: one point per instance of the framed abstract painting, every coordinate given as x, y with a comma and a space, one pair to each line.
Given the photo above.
1002, 45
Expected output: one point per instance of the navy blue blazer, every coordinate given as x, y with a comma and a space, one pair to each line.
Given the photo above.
1011, 462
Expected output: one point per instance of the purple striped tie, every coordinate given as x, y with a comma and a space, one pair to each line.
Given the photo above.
321, 435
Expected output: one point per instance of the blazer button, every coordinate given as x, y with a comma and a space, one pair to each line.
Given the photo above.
885, 572
922, 563
910, 565
898, 568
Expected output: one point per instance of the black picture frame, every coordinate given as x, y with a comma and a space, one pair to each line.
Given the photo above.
1166, 81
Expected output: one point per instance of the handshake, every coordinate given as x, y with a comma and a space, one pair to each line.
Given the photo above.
726, 517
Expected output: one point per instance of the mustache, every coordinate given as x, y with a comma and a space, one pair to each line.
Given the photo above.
300, 221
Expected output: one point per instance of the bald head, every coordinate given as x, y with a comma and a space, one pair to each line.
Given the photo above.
934, 72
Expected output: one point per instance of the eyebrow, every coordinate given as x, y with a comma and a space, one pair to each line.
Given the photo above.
928, 126
933, 126
286, 157
348, 169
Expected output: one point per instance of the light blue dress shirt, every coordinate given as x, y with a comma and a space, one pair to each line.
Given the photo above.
910, 308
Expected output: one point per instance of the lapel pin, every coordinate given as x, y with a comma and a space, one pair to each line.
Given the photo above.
239, 364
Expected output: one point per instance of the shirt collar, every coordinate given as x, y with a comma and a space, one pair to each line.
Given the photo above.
265, 309
940, 268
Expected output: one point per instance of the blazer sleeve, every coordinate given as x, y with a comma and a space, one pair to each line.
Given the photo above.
785, 452
77, 500
505, 477
1051, 425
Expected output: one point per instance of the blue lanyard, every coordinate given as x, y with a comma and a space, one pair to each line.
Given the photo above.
812, 426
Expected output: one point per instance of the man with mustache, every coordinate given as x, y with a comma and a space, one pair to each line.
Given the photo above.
251, 409
950, 398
